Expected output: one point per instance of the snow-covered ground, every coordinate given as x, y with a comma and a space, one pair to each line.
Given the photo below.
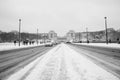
110, 45
62, 63
9, 46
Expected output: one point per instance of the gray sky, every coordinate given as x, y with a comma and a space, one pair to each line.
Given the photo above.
59, 15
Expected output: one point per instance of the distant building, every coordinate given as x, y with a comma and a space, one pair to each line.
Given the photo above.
110, 30
61, 39
52, 35
78, 36
70, 36
83, 36
47, 36
43, 37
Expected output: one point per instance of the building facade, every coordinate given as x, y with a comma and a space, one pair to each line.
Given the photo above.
52, 36
70, 36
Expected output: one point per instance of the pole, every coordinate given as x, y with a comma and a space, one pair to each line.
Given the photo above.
106, 30
87, 34
37, 36
19, 31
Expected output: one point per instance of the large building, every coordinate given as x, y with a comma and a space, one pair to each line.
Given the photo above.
96, 36
78, 36
70, 36
51, 36
73, 36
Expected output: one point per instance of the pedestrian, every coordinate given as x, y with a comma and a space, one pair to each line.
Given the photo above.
118, 40
87, 41
109, 40
15, 42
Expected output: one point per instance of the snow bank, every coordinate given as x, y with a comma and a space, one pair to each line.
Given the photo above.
110, 45
9, 46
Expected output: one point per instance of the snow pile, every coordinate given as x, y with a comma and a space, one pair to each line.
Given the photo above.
110, 45
9, 46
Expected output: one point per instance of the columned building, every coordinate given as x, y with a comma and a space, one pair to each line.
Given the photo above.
78, 36
70, 36
52, 35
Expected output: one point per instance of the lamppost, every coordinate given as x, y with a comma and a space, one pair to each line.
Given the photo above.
106, 30
19, 31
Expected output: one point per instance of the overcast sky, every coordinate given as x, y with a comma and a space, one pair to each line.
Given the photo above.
59, 15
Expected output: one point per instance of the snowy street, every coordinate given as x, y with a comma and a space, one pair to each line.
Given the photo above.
59, 39
62, 63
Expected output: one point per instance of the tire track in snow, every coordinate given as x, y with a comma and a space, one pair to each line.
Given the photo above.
84, 69
63, 63
63, 73
51, 70
34, 67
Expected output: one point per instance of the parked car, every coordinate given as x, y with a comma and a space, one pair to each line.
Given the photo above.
48, 44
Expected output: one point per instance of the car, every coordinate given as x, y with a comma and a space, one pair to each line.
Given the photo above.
48, 44
68, 42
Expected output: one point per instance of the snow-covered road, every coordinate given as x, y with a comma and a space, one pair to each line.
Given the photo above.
62, 63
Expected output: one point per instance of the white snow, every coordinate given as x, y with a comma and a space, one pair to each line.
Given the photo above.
84, 68
110, 45
62, 63
9, 46
37, 69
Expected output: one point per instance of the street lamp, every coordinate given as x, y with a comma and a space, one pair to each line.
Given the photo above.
106, 30
19, 31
